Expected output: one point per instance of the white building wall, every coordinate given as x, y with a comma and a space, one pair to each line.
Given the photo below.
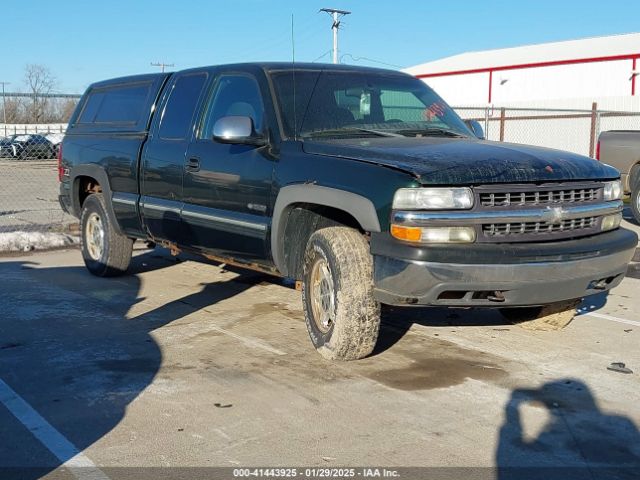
468, 89
595, 79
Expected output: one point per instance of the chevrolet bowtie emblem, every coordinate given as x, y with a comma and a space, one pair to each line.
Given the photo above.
554, 214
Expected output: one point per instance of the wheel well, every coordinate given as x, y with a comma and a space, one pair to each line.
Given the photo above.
85, 186
302, 220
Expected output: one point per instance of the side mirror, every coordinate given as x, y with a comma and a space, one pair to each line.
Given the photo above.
237, 130
475, 128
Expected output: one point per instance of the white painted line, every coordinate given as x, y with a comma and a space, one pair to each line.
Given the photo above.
250, 342
612, 318
70, 457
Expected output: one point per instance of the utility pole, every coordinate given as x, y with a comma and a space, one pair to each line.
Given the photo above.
162, 65
4, 108
336, 15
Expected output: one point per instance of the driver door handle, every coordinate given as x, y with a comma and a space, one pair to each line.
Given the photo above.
193, 165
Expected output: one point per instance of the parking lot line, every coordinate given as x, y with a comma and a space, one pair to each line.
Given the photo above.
70, 457
612, 318
249, 341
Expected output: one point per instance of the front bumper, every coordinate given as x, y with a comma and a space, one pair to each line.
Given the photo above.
508, 280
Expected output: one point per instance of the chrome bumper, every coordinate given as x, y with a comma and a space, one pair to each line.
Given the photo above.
407, 282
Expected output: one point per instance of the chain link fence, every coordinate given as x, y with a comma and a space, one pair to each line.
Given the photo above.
31, 132
572, 130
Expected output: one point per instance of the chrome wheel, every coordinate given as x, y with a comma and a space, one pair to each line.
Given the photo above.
94, 236
638, 201
322, 295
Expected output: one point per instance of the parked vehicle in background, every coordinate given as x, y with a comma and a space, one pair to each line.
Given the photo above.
621, 149
27, 146
56, 141
360, 184
33, 146
7, 148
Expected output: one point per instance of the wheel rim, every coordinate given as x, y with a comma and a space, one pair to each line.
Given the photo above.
94, 236
322, 295
638, 201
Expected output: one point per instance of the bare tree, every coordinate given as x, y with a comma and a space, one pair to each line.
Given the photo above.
39, 82
66, 110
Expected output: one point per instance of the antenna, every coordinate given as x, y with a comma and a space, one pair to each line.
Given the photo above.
293, 72
336, 15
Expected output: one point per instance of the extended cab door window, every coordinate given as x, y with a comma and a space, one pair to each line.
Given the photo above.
164, 154
227, 187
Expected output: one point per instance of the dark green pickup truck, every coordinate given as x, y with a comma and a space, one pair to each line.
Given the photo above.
361, 184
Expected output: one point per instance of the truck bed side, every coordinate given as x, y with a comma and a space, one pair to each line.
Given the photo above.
102, 146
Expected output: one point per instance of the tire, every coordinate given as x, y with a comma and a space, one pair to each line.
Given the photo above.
635, 199
337, 263
105, 254
551, 317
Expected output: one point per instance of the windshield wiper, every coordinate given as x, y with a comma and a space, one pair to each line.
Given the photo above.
351, 131
431, 132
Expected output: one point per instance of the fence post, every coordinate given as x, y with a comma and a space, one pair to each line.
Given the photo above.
594, 124
486, 123
502, 115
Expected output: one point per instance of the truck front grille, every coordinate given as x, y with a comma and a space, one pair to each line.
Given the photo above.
539, 230
539, 197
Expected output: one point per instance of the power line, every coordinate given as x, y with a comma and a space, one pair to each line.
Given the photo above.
336, 15
322, 56
162, 65
357, 59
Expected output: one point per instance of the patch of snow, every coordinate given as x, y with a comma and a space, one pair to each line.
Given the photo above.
27, 241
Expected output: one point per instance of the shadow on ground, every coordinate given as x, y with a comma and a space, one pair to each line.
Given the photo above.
69, 348
577, 441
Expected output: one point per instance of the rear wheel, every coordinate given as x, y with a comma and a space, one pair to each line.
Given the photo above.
555, 316
341, 314
106, 253
635, 199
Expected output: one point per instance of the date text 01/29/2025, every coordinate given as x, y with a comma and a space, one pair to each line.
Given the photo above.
314, 473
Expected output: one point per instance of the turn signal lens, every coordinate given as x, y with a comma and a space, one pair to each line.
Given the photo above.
434, 234
410, 234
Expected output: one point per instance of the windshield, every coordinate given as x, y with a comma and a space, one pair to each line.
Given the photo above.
334, 104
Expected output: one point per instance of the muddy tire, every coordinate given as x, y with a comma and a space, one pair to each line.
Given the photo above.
341, 314
546, 318
106, 253
635, 199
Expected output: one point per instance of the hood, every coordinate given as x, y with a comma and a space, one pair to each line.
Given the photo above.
455, 161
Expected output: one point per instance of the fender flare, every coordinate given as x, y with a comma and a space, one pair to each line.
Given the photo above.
100, 174
359, 207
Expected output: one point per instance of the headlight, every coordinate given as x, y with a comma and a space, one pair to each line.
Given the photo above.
611, 222
613, 190
433, 198
434, 234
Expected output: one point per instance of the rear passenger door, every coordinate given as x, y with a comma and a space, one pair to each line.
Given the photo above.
227, 187
164, 155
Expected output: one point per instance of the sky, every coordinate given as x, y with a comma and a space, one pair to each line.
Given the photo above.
85, 41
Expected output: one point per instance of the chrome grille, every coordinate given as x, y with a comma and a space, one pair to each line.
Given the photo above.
511, 230
538, 197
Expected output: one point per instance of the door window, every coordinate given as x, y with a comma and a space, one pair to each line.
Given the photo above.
177, 117
233, 95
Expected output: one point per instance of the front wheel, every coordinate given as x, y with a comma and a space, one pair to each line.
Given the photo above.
106, 253
341, 314
555, 316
